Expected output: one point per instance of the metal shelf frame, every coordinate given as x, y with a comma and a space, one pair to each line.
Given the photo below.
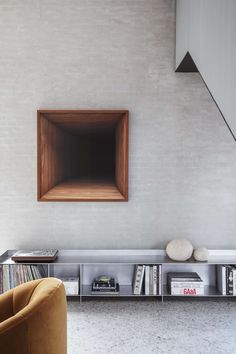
87, 264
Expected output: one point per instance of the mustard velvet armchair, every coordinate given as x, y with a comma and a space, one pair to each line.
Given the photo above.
33, 318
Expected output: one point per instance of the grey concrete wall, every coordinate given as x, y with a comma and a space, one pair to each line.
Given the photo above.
207, 29
112, 54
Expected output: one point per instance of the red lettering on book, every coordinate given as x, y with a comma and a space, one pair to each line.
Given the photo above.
190, 291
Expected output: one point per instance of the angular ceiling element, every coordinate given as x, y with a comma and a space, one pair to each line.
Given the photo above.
187, 65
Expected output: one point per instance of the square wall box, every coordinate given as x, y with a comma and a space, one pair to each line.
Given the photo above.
83, 155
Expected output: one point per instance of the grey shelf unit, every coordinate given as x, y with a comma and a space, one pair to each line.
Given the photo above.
87, 264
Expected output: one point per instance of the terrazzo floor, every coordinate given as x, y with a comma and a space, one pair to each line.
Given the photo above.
145, 327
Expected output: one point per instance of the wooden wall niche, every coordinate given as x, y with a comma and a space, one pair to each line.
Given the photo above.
82, 155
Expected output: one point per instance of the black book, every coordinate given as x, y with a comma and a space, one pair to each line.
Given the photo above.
230, 281
183, 276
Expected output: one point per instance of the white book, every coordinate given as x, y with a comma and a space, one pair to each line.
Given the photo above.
147, 280
221, 278
154, 281
178, 285
150, 280
188, 291
160, 280
137, 279
234, 281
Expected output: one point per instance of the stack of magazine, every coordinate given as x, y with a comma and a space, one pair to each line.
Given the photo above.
147, 280
226, 279
185, 283
105, 285
16, 274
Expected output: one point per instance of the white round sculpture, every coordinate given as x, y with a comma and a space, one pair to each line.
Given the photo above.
179, 250
201, 254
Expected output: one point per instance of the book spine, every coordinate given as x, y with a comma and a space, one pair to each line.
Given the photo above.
137, 279
221, 279
34, 272
184, 279
17, 275
25, 273
230, 281
154, 280
142, 279
38, 273
147, 280
234, 281
11, 280
6, 285
21, 274
227, 279
187, 284
28, 273
151, 280
1, 278
160, 280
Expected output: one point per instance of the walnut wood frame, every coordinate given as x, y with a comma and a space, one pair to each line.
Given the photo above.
56, 146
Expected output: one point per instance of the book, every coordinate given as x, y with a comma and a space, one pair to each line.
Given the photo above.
48, 255
221, 278
104, 282
154, 280
138, 279
142, 279
151, 280
188, 291
12, 275
106, 291
183, 276
160, 280
1, 280
234, 281
185, 283
147, 280
230, 281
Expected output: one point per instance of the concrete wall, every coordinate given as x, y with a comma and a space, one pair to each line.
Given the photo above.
207, 29
112, 54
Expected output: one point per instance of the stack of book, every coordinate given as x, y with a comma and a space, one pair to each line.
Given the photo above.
147, 280
13, 275
185, 283
226, 279
104, 285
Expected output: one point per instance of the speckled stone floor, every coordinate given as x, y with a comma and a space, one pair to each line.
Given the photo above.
145, 327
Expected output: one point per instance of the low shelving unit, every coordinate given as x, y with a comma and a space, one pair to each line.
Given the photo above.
120, 264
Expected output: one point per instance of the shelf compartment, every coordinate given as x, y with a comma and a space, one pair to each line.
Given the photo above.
82, 155
66, 271
122, 273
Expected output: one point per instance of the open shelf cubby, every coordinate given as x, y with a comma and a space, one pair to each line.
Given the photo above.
83, 155
120, 264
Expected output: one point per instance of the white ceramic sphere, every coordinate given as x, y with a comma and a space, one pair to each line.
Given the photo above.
179, 250
201, 254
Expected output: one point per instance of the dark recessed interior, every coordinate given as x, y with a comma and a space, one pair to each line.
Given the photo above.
82, 156
94, 156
